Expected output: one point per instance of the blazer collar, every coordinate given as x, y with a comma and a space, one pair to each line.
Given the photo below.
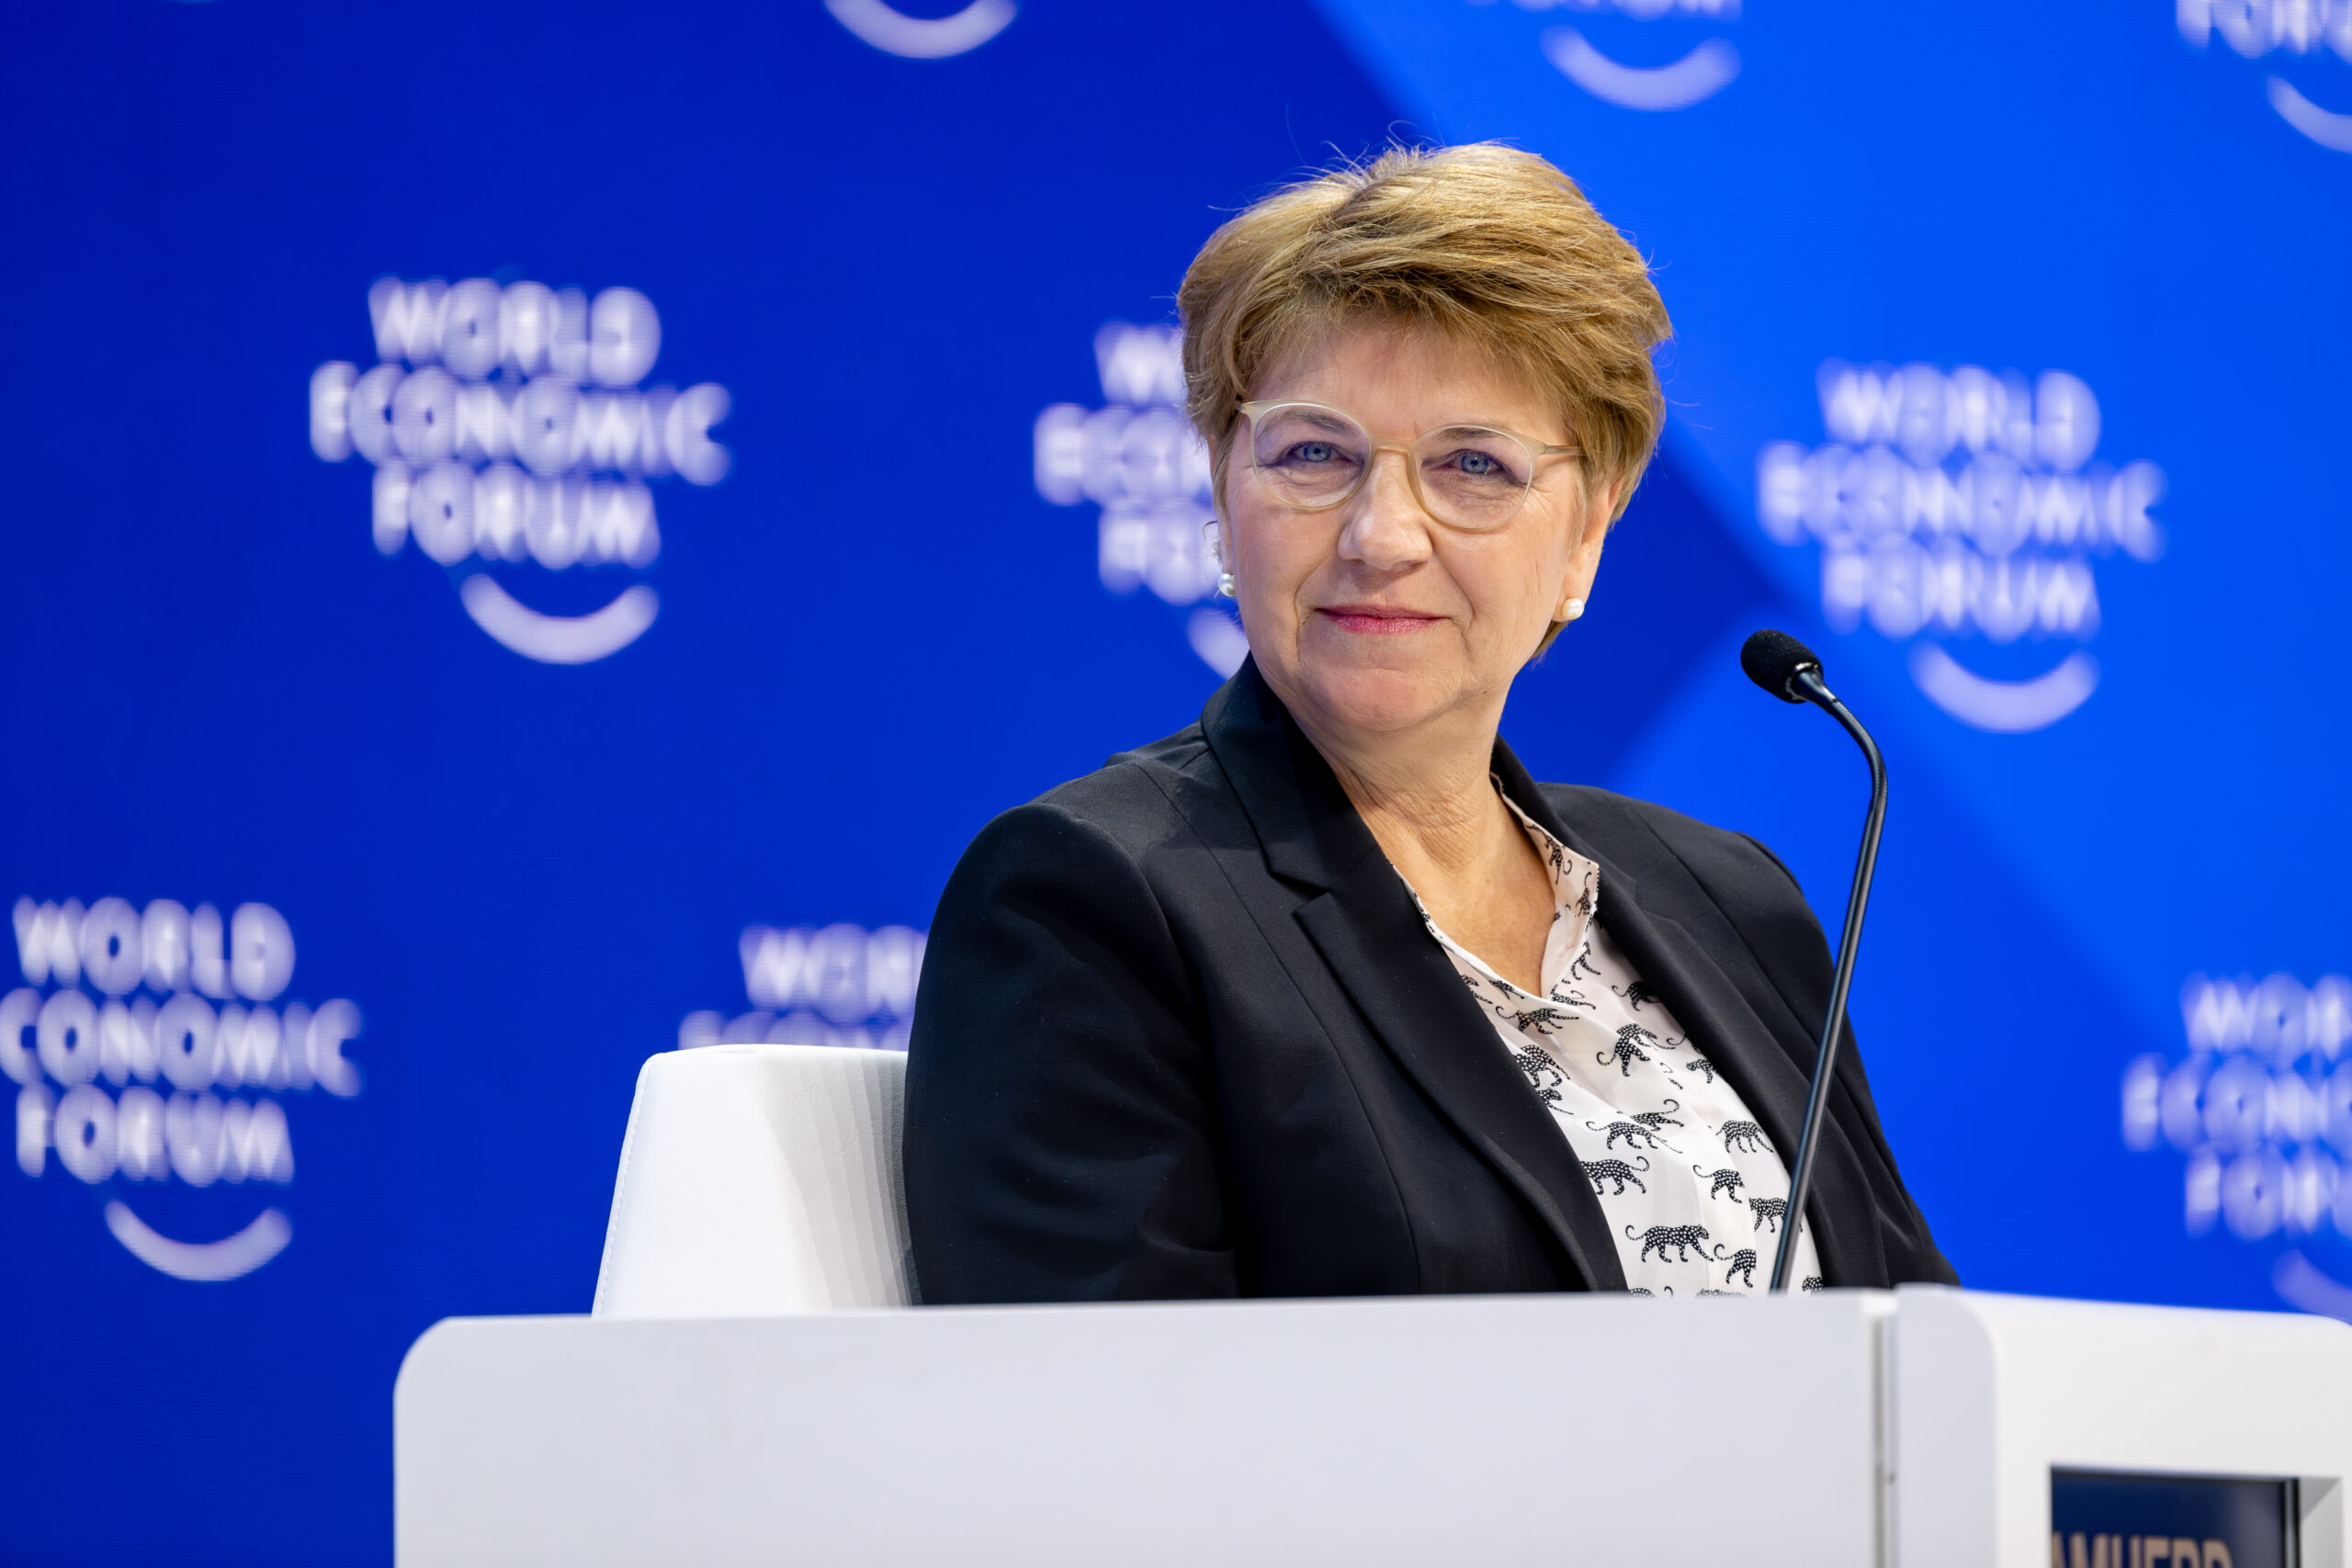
1364, 923
1305, 821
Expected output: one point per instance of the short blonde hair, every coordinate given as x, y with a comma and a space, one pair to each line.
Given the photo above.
1489, 244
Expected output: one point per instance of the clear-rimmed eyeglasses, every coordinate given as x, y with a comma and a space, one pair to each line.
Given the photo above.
1312, 457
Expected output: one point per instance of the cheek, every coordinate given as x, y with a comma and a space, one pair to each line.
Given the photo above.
1271, 561
1505, 587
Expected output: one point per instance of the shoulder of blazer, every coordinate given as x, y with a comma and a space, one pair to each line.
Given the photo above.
1747, 882
1137, 799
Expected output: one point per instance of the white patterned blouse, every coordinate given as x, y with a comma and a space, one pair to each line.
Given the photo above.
1692, 1190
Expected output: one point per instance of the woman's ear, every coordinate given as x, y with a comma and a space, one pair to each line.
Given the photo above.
1599, 516
1600, 511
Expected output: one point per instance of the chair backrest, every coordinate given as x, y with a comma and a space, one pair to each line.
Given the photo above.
758, 1179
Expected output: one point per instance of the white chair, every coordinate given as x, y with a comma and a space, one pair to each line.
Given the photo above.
757, 1179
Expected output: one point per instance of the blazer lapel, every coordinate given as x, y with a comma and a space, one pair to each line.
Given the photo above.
1687, 974
1372, 937
1363, 924
1304, 821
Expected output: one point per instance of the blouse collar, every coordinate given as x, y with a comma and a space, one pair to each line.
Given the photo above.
1576, 906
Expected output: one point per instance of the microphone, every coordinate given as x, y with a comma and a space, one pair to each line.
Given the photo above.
1790, 671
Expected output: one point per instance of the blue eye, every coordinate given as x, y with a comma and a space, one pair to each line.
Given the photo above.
1314, 452
1476, 466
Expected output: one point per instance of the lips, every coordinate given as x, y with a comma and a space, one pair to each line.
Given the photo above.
1377, 620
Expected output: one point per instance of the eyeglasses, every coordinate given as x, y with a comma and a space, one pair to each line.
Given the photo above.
1470, 477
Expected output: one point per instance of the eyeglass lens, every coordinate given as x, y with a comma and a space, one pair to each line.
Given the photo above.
1313, 457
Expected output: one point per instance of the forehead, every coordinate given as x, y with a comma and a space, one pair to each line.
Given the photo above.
1401, 379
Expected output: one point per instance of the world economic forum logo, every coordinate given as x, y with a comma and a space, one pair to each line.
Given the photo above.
158, 1046
1137, 458
1691, 77
508, 430
1959, 509
2260, 1104
2287, 33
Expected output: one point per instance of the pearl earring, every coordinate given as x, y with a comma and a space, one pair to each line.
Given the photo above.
1213, 535
1571, 608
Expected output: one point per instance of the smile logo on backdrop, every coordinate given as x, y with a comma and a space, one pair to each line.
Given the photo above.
513, 444
153, 1051
1685, 72
2287, 32
1962, 512
2260, 1102
1137, 459
891, 30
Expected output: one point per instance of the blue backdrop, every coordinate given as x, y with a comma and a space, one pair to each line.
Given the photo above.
537, 534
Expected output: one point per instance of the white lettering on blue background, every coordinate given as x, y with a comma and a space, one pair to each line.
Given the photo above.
1138, 459
2261, 1103
1958, 504
506, 424
2285, 31
839, 984
154, 1044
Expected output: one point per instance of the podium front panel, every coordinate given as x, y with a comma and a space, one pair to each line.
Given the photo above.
1921, 1428
1489, 1430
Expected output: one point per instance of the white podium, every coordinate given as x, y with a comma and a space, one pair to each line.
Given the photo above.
1900, 1429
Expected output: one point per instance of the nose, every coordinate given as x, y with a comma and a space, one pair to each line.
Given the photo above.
1387, 529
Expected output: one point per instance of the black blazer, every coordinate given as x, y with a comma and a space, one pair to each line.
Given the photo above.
1181, 1034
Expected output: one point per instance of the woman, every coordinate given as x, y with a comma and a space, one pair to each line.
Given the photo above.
1323, 995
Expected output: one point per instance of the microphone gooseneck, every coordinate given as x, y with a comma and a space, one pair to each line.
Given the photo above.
1789, 670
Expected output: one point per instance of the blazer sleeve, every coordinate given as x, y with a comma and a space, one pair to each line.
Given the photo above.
1060, 1133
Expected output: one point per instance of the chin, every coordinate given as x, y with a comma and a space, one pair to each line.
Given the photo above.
1376, 698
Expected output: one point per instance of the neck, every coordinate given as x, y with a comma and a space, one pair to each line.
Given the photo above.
1428, 798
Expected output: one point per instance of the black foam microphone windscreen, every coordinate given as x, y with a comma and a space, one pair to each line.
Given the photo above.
1772, 660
